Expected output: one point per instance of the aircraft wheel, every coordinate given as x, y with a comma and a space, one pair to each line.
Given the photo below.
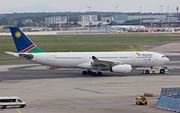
21, 106
84, 72
162, 71
147, 72
89, 72
94, 74
4, 107
137, 103
99, 73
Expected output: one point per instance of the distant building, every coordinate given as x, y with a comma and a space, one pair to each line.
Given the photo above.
149, 18
178, 17
85, 20
172, 19
106, 19
26, 21
120, 18
56, 20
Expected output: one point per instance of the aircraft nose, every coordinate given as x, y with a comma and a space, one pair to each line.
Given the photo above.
167, 59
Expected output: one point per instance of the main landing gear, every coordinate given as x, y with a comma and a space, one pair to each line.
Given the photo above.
92, 73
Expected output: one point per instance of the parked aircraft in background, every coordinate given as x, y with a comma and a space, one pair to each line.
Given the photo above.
128, 27
119, 62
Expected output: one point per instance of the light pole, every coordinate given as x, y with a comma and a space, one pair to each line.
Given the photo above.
89, 7
168, 16
177, 8
140, 17
161, 17
116, 17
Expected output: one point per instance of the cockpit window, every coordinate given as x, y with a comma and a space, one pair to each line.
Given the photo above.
163, 56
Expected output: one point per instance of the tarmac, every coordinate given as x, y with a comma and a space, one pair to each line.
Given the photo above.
170, 47
68, 91
86, 94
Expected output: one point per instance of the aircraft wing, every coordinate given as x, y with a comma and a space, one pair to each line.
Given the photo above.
105, 63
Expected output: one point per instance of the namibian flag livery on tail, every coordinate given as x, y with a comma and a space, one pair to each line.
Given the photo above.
22, 42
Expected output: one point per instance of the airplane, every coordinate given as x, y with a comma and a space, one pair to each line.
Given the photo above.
118, 62
125, 27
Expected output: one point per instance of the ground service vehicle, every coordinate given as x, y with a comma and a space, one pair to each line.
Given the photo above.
161, 70
141, 100
11, 101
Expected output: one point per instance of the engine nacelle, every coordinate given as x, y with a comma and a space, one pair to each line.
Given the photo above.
125, 68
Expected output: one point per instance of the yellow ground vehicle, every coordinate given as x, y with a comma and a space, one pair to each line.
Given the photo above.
141, 100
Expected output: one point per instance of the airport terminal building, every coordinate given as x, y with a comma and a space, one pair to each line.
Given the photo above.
158, 20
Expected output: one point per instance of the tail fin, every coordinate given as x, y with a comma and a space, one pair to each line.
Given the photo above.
109, 23
22, 42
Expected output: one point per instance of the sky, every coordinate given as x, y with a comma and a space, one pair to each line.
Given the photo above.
11, 6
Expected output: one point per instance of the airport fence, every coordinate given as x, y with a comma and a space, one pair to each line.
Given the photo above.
168, 90
169, 99
168, 103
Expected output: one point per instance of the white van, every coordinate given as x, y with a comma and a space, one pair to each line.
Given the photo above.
11, 101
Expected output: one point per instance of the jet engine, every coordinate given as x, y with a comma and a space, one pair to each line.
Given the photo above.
125, 68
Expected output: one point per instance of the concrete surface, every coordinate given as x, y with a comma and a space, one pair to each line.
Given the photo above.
79, 95
170, 47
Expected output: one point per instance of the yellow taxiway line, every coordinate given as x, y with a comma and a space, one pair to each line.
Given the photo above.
19, 111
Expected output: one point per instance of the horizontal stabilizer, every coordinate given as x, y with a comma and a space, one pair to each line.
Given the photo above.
12, 54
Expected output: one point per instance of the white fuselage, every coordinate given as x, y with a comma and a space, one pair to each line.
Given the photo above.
84, 59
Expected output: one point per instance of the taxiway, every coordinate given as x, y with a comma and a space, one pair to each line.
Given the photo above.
68, 91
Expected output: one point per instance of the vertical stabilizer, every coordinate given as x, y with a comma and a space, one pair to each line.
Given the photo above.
22, 42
